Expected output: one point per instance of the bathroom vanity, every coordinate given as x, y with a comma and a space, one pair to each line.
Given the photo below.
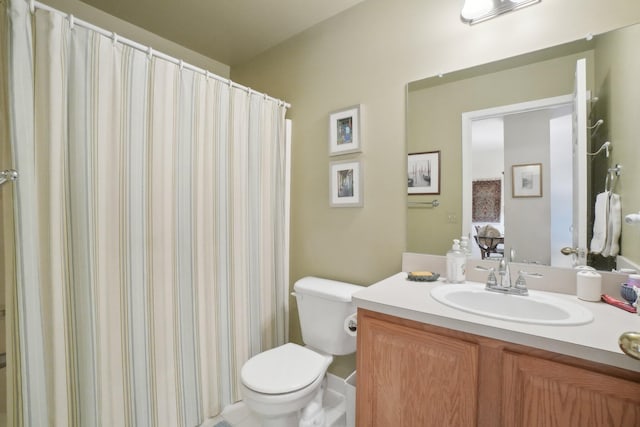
423, 363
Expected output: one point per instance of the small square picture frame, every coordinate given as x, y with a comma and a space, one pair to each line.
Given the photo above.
345, 184
423, 173
526, 180
344, 131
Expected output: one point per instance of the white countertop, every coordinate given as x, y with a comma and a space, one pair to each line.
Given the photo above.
596, 341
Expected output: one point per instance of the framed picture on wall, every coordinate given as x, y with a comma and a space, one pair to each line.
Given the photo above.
423, 173
345, 184
344, 131
526, 180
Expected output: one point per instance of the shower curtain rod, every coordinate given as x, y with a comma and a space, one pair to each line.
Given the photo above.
149, 50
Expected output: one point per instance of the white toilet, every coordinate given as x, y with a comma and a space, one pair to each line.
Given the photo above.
284, 386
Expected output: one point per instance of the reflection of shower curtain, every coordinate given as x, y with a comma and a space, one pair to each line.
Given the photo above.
150, 224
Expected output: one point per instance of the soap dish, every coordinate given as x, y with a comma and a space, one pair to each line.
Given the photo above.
422, 276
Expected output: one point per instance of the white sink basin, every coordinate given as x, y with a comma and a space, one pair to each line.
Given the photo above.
538, 307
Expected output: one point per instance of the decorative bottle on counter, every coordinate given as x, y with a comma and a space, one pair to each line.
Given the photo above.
464, 246
456, 264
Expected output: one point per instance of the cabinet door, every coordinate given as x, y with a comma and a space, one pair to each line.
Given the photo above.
410, 377
544, 393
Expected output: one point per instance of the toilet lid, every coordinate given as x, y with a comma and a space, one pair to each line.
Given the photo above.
283, 369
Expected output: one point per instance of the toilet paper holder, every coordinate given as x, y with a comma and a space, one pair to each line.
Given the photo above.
351, 324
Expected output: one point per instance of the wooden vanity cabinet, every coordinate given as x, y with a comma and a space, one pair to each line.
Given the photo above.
414, 374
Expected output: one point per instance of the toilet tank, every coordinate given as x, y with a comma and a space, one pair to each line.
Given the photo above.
323, 307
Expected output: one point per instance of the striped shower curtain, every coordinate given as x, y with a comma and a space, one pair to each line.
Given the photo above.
149, 230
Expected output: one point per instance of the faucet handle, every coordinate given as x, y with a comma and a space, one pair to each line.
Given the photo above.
491, 280
521, 283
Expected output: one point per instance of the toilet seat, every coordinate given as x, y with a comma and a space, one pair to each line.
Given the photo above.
283, 369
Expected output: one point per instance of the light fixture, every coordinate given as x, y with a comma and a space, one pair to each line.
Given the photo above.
475, 11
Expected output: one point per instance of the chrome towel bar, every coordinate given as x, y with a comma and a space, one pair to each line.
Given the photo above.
433, 204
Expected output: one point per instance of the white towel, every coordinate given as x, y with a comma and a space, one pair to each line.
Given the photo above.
607, 225
614, 224
600, 223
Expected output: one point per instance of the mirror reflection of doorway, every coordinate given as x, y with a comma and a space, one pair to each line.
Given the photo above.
537, 228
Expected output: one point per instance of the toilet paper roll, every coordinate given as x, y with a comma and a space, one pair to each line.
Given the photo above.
351, 325
589, 285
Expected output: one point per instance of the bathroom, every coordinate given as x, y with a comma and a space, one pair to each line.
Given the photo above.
366, 56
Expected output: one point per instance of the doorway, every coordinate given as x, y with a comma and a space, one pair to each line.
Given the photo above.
496, 139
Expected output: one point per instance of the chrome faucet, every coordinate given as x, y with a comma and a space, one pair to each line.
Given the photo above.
503, 284
503, 273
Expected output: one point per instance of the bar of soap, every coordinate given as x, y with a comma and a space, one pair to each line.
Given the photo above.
422, 276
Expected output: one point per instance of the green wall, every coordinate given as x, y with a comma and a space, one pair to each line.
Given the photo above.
617, 87
434, 123
366, 56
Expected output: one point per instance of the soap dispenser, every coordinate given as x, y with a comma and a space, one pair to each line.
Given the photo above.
456, 264
464, 246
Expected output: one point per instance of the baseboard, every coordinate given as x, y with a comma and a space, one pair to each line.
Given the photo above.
336, 383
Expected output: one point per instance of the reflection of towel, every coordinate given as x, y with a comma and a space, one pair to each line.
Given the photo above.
600, 223
606, 226
612, 246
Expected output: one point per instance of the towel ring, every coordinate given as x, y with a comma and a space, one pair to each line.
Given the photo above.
612, 173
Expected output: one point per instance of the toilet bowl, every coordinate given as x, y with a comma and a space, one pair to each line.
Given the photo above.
284, 386
277, 384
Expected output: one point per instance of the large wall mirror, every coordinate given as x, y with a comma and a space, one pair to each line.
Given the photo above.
508, 134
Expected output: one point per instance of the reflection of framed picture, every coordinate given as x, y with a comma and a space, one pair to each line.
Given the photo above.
423, 173
344, 131
526, 180
345, 184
